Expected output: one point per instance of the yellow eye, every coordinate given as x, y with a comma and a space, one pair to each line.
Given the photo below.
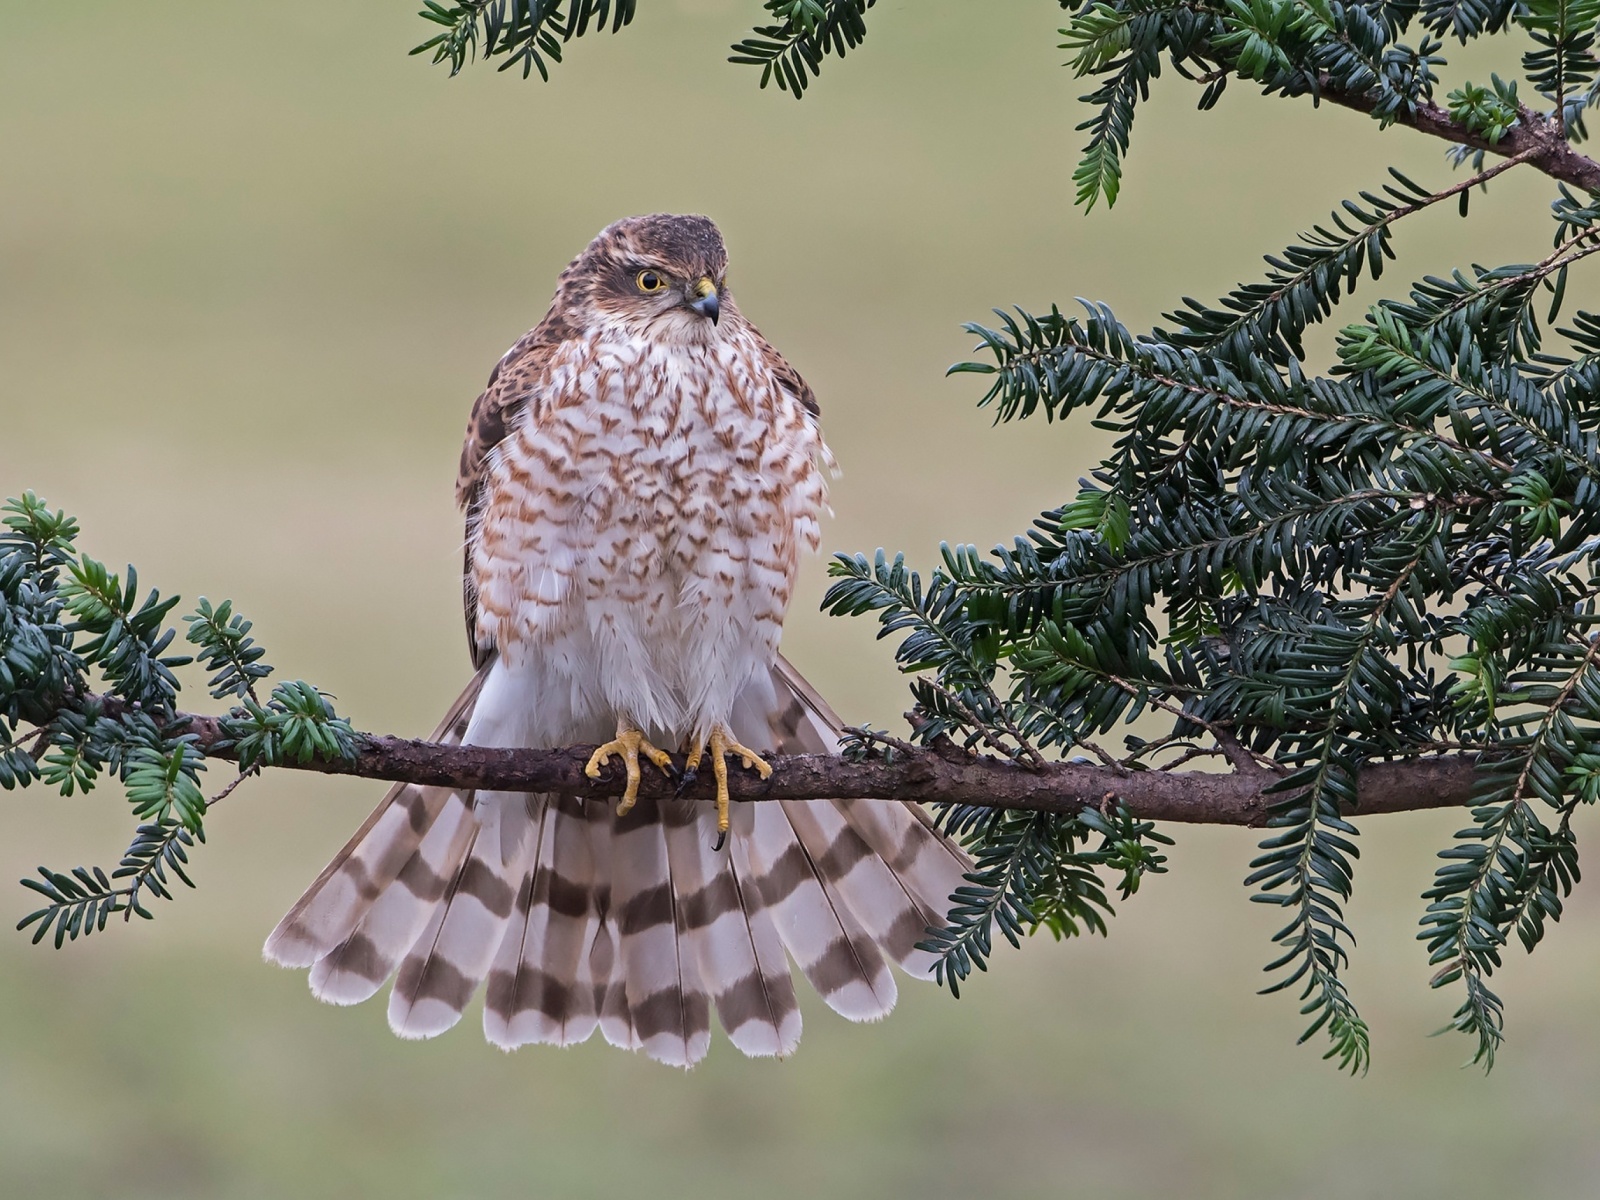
650, 281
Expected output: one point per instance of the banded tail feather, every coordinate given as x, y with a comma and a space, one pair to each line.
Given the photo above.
452, 957
541, 986
334, 906
581, 920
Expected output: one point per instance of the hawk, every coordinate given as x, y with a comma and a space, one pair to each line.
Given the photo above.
640, 478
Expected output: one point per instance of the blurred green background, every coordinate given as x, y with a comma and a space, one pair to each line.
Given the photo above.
259, 262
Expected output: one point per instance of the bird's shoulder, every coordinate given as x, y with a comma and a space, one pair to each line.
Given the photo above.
780, 369
514, 381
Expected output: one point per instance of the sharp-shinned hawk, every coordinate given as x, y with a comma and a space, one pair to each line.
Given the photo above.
640, 478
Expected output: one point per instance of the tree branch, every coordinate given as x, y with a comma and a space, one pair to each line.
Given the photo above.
947, 775
1533, 138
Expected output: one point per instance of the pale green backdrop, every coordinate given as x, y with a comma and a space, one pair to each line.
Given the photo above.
258, 262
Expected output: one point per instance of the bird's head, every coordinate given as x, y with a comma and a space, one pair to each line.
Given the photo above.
664, 272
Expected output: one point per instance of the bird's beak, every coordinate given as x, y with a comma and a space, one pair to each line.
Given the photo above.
706, 302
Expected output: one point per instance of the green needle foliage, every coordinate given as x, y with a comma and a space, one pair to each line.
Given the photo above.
789, 47
1384, 561
88, 688
1030, 874
525, 33
1387, 561
1302, 571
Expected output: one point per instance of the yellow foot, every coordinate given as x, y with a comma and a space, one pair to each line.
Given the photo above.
628, 745
722, 744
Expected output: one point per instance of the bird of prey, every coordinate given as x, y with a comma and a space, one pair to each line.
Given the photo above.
640, 478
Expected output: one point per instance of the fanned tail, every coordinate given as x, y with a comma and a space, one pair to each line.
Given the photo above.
583, 920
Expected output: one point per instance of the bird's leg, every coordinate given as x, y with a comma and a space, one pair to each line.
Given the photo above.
628, 745
722, 743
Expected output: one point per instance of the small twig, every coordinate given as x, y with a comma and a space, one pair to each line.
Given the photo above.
1533, 139
882, 739
228, 791
1149, 749
40, 742
1255, 763
1242, 760
1024, 748
1189, 755
1105, 758
1033, 757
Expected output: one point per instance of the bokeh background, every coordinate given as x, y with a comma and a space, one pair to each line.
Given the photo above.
255, 263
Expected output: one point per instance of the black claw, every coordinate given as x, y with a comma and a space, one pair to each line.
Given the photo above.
686, 780
722, 837
671, 770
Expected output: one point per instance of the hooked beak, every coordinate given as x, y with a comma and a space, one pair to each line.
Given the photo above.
706, 303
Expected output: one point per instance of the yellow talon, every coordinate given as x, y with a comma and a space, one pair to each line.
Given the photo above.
628, 745
723, 744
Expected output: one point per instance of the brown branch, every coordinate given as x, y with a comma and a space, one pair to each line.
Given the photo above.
1239, 757
1534, 139
948, 775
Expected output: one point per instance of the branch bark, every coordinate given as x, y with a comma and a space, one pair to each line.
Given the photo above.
1533, 135
930, 776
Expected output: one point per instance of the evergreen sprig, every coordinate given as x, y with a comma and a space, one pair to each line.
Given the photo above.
296, 724
227, 648
88, 688
791, 48
525, 33
1511, 870
83, 900
1286, 47
1562, 67
1029, 873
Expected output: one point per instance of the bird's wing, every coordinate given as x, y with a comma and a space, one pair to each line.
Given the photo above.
494, 413
788, 378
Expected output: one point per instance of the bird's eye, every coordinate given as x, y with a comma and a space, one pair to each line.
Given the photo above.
650, 281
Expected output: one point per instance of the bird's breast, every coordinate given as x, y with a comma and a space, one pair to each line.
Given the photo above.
672, 446
655, 476
642, 526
